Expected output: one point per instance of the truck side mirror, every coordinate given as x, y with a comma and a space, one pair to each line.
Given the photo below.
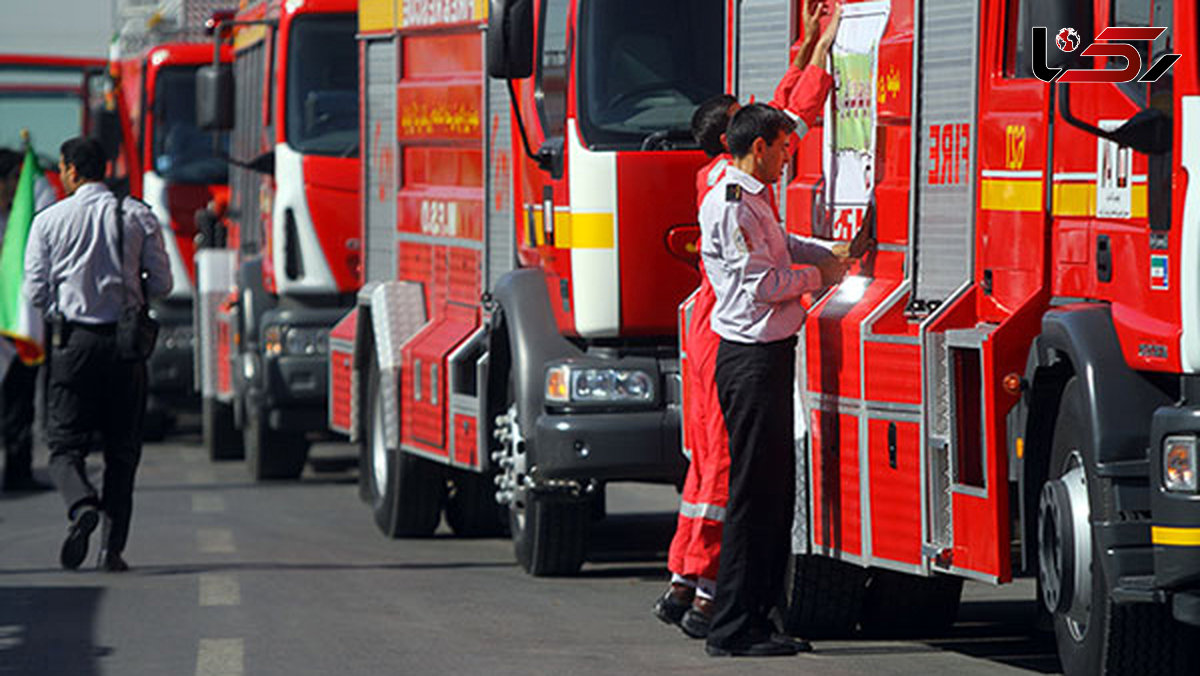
214, 97
105, 127
510, 39
1056, 15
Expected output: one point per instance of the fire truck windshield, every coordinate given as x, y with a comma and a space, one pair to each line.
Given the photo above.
322, 86
182, 152
645, 66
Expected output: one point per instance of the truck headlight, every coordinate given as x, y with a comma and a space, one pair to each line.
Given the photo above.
305, 341
1179, 463
566, 384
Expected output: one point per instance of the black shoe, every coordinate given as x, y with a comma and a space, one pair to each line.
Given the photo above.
75, 547
696, 620
113, 563
771, 647
671, 606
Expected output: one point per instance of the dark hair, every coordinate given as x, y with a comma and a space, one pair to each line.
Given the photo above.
710, 120
756, 121
10, 163
86, 155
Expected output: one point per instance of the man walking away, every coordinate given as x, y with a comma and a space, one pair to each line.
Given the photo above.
748, 259
87, 260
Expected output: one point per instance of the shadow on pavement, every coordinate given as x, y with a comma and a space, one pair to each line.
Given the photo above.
1000, 631
48, 630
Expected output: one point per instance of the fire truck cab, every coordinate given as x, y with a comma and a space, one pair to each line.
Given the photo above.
285, 261
529, 231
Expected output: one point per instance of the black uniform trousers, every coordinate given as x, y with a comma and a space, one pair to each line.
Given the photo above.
95, 399
16, 421
754, 387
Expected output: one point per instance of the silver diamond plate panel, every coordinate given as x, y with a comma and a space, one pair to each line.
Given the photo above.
501, 254
215, 275
397, 313
764, 36
380, 160
947, 58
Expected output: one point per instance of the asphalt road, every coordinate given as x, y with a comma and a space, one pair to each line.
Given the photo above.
233, 578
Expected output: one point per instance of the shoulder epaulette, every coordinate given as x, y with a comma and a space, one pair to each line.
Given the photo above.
733, 192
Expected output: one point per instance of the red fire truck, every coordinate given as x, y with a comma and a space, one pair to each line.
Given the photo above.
171, 165
291, 258
51, 96
1008, 384
528, 237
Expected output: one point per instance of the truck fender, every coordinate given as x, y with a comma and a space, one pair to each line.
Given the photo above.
1076, 340
390, 314
1121, 402
533, 338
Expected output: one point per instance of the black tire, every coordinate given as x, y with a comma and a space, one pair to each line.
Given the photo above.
901, 605
405, 492
827, 597
221, 438
272, 454
1117, 638
550, 533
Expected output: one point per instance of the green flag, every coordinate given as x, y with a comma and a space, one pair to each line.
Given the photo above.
18, 319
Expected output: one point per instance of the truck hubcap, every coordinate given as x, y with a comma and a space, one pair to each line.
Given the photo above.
1065, 547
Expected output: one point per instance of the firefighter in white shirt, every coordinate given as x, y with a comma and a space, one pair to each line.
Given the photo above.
749, 259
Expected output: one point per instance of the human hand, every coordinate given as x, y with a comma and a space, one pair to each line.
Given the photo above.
811, 12
831, 30
832, 270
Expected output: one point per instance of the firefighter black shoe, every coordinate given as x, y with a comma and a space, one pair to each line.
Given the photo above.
772, 647
697, 618
671, 606
75, 547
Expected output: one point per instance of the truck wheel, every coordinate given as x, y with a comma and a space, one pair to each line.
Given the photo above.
1094, 634
550, 532
221, 438
827, 597
471, 507
272, 454
903, 605
405, 491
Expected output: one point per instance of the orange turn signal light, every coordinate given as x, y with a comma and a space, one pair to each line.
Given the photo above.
1012, 383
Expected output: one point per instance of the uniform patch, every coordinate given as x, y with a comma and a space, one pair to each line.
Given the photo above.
1158, 273
741, 242
733, 193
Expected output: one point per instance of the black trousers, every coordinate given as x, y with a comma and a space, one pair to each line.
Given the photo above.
95, 400
16, 422
754, 386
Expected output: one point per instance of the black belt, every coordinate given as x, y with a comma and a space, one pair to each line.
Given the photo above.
109, 329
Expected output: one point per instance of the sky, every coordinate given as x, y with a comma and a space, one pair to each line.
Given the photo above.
63, 27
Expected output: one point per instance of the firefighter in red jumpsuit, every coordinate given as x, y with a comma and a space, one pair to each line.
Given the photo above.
695, 549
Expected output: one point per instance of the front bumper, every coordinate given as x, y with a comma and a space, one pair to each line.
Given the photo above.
641, 446
1175, 532
292, 387
169, 371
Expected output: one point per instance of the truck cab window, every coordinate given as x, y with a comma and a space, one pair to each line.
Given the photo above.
553, 63
322, 98
645, 66
182, 152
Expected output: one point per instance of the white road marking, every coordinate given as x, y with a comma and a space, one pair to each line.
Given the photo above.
219, 590
220, 657
207, 503
215, 541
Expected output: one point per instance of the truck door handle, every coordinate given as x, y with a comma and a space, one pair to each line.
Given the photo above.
1103, 258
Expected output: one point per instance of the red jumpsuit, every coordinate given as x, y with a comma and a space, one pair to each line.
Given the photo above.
696, 547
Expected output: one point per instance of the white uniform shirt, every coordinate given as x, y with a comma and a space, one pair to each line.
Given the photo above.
748, 258
71, 258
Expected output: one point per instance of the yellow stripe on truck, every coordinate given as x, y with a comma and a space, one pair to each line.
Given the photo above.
1176, 537
1010, 195
376, 15
591, 231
